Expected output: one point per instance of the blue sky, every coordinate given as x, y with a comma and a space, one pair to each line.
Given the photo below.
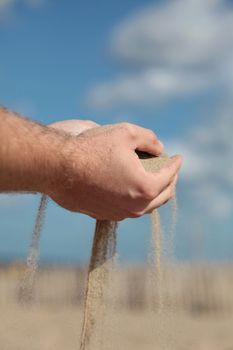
52, 54
164, 65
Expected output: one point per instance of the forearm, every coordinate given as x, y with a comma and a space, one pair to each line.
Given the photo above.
29, 154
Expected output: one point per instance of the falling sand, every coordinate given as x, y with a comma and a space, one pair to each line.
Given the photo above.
28, 283
102, 257
101, 264
157, 243
163, 329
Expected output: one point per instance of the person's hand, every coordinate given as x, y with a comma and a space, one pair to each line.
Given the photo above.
101, 175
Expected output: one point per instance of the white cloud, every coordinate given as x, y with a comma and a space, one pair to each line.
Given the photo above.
207, 171
177, 48
178, 32
149, 87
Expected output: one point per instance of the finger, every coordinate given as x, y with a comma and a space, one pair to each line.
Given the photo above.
147, 141
162, 198
161, 179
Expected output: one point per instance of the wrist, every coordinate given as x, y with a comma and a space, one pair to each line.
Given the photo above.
53, 168
64, 163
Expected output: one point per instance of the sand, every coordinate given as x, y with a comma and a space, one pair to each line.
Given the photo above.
203, 319
28, 283
102, 257
54, 327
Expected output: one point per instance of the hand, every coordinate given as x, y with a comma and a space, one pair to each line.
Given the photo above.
102, 176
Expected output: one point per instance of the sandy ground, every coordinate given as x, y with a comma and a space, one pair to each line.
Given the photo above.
58, 327
201, 300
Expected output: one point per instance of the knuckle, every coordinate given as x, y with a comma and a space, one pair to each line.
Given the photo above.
130, 129
147, 192
143, 189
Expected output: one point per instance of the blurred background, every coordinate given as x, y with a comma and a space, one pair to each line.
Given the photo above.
166, 65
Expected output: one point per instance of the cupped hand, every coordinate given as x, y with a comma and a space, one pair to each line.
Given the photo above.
102, 176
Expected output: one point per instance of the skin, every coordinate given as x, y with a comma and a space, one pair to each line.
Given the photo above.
84, 167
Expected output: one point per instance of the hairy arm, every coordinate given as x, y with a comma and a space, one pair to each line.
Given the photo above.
29, 156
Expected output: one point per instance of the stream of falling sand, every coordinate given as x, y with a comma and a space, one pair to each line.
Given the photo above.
159, 304
102, 257
156, 247
27, 287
